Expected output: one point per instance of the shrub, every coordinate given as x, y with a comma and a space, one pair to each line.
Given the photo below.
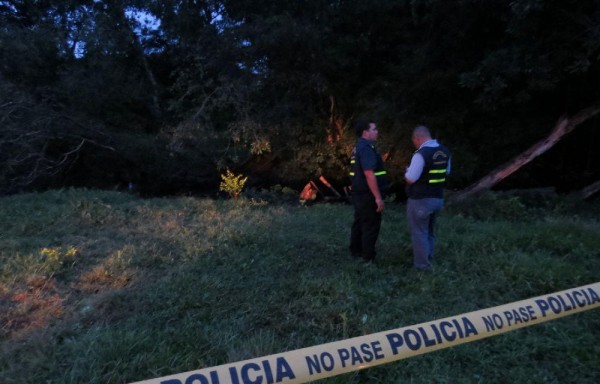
57, 257
232, 184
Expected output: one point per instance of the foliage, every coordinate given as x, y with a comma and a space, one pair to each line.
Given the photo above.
56, 257
489, 81
38, 141
260, 146
232, 184
163, 286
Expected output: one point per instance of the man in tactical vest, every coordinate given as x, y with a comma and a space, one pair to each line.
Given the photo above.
368, 184
425, 178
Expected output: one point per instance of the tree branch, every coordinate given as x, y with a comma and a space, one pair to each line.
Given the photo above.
564, 126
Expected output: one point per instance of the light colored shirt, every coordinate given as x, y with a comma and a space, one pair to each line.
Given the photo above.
414, 170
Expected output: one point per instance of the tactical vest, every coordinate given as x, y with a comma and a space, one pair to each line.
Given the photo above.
357, 175
432, 181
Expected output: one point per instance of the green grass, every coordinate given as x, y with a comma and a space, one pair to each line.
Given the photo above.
103, 287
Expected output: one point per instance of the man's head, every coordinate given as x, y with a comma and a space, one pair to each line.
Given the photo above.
420, 135
366, 128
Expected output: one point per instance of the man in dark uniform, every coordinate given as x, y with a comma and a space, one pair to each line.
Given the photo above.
368, 183
425, 178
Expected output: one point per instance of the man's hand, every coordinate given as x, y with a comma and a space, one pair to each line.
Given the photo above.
380, 205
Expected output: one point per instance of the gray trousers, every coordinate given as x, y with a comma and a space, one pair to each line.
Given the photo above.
421, 215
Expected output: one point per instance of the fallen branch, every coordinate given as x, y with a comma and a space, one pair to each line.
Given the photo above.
564, 126
589, 191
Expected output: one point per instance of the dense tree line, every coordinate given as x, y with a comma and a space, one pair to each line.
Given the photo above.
168, 93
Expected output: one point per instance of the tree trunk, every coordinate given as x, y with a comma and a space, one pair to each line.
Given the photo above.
127, 21
564, 126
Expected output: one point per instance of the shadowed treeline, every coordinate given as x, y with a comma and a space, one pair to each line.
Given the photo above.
166, 95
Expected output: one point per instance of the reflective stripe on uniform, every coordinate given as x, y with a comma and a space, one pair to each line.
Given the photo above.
376, 173
436, 172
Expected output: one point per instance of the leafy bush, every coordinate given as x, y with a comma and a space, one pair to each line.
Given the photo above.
232, 184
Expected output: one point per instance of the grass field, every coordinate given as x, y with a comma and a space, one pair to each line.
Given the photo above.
105, 287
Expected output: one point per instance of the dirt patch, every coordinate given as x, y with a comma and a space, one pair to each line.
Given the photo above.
31, 306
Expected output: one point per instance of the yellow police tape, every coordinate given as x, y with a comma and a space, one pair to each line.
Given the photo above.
325, 360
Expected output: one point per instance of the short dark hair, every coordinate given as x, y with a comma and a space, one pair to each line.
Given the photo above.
362, 124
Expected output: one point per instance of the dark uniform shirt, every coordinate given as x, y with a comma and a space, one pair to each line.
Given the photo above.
366, 158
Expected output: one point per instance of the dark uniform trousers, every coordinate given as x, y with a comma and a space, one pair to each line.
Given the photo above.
365, 227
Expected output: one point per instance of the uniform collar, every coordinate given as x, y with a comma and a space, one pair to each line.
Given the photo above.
370, 142
429, 143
